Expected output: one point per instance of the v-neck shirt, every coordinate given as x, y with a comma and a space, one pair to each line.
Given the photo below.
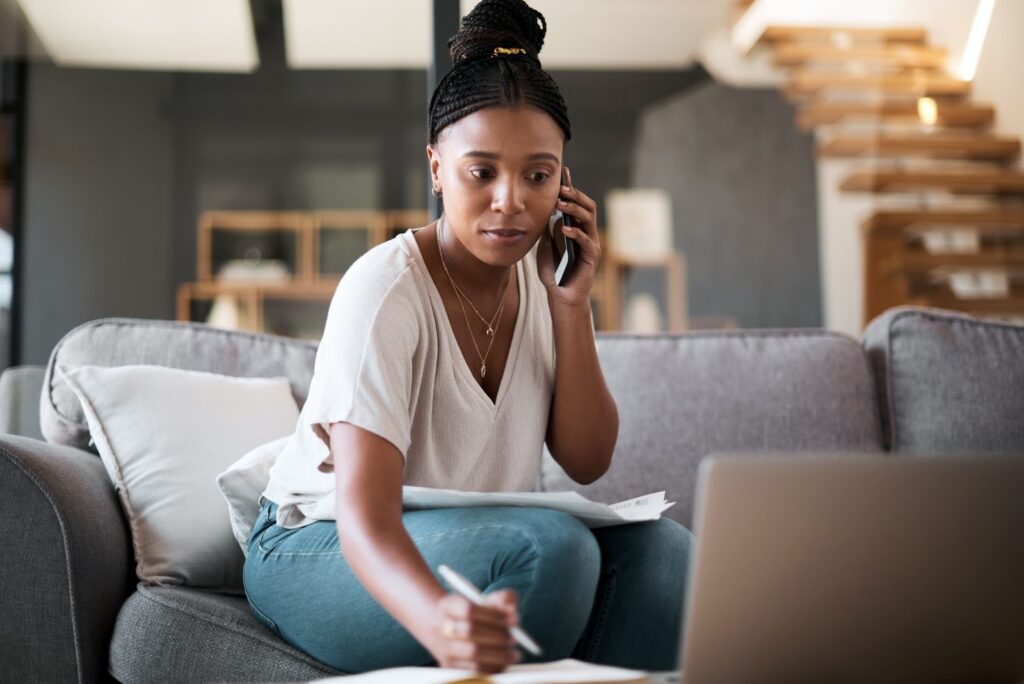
389, 363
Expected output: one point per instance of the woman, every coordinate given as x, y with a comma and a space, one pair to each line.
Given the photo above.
448, 358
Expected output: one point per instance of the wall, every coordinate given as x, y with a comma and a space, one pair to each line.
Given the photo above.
998, 78
122, 163
97, 232
742, 182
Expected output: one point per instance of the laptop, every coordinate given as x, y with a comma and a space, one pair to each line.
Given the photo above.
857, 568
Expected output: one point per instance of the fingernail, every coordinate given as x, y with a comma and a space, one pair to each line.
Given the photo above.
566, 229
562, 201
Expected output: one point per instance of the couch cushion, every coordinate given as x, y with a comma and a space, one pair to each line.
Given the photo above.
948, 382
172, 634
190, 346
683, 396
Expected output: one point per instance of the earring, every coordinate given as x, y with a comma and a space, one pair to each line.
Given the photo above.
435, 192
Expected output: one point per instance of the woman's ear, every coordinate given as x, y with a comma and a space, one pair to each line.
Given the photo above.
435, 163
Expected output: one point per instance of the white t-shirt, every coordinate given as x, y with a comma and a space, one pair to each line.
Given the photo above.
389, 363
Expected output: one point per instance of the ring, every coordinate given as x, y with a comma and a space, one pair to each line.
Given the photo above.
448, 629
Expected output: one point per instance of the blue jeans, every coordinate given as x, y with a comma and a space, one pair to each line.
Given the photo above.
612, 595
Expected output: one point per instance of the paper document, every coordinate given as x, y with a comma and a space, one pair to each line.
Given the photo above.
590, 513
566, 671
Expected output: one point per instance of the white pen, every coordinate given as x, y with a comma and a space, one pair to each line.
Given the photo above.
466, 588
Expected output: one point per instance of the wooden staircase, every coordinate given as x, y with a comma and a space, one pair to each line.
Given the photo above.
950, 193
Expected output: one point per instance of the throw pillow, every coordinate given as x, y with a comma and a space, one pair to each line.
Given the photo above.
243, 483
163, 435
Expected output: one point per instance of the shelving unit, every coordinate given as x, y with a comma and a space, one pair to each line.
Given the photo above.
318, 247
617, 269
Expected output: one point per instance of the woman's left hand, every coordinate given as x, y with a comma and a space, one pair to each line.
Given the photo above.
576, 291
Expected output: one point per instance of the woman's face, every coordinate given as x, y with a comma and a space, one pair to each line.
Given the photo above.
498, 169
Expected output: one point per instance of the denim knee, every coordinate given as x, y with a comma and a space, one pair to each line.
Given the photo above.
665, 547
557, 596
673, 538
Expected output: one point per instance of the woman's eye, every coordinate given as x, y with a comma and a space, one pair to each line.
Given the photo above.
480, 173
539, 176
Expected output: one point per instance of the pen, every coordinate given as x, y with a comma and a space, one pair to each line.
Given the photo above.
466, 588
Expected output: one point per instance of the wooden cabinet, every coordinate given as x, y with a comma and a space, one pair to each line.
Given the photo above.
276, 272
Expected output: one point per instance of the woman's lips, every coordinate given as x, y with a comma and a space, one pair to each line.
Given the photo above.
505, 238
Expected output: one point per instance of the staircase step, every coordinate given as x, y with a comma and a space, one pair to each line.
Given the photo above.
891, 222
940, 146
915, 83
969, 182
949, 114
842, 35
798, 54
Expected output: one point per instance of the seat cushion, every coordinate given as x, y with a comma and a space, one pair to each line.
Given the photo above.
948, 382
683, 396
172, 634
188, 346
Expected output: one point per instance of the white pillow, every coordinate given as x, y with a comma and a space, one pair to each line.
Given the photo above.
163, 435
243, 483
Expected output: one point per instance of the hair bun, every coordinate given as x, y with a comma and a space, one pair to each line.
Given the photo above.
498, 23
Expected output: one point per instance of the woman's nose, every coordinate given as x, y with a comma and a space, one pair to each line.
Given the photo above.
508, 198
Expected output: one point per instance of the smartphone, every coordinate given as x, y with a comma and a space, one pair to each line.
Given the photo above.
564, 249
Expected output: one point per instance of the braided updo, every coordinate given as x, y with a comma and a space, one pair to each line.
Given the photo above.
480, 78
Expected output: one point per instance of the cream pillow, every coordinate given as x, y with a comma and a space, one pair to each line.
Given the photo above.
243, 483
163, 435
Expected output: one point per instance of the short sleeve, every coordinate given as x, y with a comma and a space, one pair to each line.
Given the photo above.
364, 365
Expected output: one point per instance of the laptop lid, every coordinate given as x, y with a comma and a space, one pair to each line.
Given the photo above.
857, 568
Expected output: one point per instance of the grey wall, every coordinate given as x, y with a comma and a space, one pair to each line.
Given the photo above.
742, 181
97, 232
285, 140
120, 165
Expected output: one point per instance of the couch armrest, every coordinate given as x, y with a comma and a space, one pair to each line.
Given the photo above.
66, 566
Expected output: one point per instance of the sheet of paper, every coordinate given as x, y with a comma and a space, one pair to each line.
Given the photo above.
566, 671
591, 513
410, 675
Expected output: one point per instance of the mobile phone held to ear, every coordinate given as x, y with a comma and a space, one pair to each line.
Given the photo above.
564, 249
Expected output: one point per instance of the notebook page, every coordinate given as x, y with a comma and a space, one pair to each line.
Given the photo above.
569, 671
590, 513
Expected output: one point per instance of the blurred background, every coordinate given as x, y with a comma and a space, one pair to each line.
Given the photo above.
765, 163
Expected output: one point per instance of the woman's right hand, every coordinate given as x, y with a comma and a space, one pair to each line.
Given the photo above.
472, 637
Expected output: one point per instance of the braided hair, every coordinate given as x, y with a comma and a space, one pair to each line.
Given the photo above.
484, 77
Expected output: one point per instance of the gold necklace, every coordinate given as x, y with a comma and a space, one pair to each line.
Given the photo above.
491, 331
489, 324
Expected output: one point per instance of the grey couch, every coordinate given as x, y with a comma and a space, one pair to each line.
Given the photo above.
920, 381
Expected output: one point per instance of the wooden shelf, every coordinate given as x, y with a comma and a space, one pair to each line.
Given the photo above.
807, 82
949, 114
965, 182
939, 146
285, 222
918, 261
898, 223
615, 267
914, 56
891, 261
945, 299
310, 283
842, 34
